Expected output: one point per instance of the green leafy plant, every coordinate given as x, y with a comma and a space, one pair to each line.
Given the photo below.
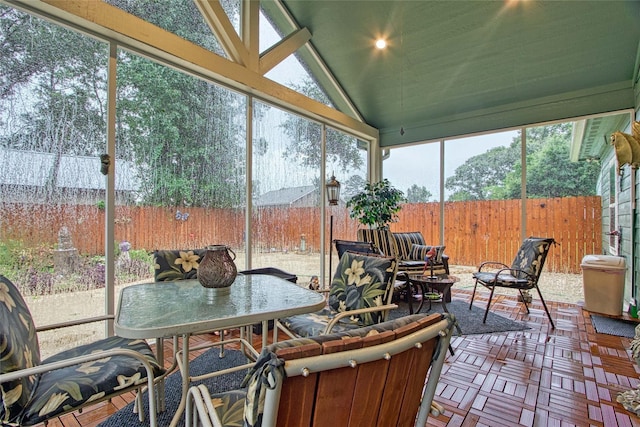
377, 206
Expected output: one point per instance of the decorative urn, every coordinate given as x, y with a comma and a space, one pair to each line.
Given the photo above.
217, 269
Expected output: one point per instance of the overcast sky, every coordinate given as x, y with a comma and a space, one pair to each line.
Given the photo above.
420, 164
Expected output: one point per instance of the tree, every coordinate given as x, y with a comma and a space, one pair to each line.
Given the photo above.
551, 174
474, 179
496, 174
305, 137
352, 186
52, 90
417, 194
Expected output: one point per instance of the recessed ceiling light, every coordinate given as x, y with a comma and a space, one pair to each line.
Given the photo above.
381, 43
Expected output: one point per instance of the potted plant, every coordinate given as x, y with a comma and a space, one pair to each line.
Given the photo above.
376, 206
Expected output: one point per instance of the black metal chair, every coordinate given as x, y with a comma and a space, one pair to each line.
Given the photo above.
354, 246
270, 271
523, 274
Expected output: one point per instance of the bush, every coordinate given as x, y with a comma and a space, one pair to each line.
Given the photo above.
93, 276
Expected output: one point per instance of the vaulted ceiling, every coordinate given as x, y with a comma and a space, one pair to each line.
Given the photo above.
451, 68
460, 67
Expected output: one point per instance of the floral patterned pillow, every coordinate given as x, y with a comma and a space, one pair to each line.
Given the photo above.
19, 350
532, 255
177, 265
362, 281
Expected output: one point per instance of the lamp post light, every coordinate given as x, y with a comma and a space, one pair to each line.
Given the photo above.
333, 195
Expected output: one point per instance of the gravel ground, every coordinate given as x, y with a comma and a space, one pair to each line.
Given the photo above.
560, 287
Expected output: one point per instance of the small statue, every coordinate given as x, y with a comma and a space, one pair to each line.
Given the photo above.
314, 283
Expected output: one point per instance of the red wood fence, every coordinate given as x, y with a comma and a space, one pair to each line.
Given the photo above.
474, 231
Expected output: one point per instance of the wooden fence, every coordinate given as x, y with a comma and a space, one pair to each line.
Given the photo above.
474, 231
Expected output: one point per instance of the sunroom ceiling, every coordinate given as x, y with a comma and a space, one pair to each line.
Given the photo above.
461, 67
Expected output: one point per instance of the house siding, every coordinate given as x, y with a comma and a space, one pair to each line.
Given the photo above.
628, 218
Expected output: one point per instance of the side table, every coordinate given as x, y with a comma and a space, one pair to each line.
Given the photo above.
442, 284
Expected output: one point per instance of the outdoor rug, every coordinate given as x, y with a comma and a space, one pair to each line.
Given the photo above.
470, 321
611, 326
206, 362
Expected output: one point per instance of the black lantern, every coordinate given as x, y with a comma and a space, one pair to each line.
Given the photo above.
333, 194
333, 191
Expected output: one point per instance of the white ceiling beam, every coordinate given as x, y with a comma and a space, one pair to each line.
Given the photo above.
250, 29
287, 46
219, 22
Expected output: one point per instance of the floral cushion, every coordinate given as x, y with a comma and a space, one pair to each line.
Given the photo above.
531, 256
177, 265
525, 269
313, 324
361, 281
18, 350
39, 398
69, 388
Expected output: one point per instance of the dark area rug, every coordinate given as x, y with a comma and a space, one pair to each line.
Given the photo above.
611, 326
206, 362
470, 321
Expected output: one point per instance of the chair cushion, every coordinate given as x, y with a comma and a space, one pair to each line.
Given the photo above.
362, 281
19, 349
229, 406
419, 252
350, 332
69, 388
504, 279
177, 265
313, 324
404, 242
532, 255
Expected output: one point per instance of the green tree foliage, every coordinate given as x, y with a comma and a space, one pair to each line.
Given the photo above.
182, 132
377, 205
305, 137
496, 173
418, 194
185, 135
475, 179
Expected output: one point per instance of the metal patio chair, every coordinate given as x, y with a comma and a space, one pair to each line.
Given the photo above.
34, 391
523, 274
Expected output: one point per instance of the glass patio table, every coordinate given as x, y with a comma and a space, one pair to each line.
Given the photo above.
169, 309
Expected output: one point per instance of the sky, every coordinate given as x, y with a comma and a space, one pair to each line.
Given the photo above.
420, 164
